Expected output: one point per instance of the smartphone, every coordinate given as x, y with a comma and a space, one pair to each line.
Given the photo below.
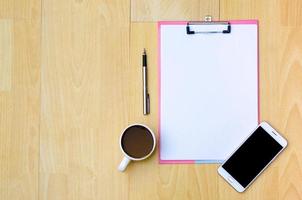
248, 161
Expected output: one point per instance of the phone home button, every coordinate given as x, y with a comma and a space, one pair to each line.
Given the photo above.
230, 179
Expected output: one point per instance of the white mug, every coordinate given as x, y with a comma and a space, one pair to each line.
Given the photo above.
127, 158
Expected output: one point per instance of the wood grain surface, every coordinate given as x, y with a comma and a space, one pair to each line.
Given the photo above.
20, 35
6, 54
71, 81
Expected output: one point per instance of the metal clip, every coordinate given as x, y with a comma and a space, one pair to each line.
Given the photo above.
215, 27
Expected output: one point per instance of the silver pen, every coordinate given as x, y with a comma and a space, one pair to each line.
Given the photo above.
146, 98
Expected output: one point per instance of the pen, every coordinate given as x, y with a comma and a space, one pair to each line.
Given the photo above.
146, 98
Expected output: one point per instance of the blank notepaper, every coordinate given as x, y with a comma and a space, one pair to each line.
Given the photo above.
208, 91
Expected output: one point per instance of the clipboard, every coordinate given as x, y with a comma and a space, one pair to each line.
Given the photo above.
181, 139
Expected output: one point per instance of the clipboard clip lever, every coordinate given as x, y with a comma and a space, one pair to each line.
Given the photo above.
208, 27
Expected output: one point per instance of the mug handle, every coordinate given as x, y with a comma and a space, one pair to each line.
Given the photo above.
123, 165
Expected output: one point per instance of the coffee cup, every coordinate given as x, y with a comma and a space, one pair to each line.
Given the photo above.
137, 142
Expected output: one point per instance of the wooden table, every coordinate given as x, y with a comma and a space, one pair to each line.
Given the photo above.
70, 81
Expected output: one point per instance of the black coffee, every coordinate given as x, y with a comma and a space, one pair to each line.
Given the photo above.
137, 141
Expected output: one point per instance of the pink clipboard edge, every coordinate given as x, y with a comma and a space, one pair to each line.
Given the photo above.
250, 21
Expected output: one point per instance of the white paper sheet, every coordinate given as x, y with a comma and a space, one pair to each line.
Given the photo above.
208, 92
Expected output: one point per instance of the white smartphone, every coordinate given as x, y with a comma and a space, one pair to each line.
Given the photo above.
247, 162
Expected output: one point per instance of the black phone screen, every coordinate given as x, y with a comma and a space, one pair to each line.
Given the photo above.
252, 156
